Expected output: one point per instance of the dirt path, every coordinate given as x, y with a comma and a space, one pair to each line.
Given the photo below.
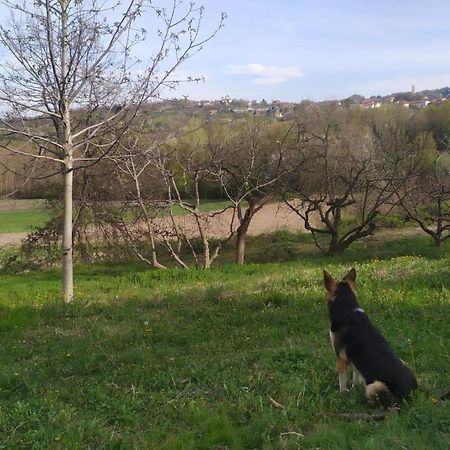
11, 238
273, 217
20, 204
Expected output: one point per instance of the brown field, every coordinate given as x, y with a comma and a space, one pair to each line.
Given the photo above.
272, 217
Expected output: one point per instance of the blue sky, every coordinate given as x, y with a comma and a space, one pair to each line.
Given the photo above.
318, 49
323, 49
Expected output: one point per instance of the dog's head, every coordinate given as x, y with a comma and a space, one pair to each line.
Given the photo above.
333, 287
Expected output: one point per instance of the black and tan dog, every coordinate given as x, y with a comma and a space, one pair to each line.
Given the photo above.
358, 343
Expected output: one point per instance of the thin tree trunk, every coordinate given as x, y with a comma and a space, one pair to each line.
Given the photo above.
241, 234
156, 264
67, 242
439, 225
333, 246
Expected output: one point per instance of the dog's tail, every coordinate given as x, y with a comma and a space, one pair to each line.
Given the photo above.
378, 392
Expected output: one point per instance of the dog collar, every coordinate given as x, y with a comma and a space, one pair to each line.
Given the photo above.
358, 309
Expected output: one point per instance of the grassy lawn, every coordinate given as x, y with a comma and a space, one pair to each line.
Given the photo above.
21, 215
21, 220
185, 359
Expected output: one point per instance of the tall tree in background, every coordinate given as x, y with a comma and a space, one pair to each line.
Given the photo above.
71, 85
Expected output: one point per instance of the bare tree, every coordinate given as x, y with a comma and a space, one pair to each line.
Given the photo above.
171, 215
248, 161
345, 178
426, 199
184, 169
71, 85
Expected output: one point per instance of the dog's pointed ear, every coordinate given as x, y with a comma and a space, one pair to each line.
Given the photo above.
329, 282
351, 277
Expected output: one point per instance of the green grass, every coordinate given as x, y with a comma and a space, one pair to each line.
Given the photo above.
185, 359
22, 220
21, 215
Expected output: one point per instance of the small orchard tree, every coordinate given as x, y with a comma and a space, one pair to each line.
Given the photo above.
345, 177
426, 199
71, 83
247, 160
160, 208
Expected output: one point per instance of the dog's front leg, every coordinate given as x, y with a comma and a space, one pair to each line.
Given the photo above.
341, 365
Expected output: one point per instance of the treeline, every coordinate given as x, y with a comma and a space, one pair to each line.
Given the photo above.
343, 172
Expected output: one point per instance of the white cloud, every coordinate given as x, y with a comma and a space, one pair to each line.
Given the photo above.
266, 75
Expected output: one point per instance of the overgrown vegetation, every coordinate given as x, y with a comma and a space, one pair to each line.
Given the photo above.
186, 359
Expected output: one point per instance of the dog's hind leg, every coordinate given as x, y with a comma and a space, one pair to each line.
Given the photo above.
341, 365
357, 377
378, 392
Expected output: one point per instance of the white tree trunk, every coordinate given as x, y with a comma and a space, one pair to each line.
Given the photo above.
67, 242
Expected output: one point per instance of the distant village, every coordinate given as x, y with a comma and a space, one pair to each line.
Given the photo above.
285, 110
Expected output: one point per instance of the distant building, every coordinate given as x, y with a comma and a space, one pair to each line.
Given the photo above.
274, 111
370, 104
419, 104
